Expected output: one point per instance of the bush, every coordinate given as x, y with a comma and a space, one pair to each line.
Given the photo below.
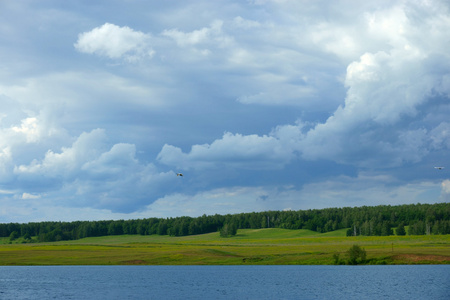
356, 255
336, 258
13, 236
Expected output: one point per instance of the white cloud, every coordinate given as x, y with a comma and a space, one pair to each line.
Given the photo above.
446, 189
24, 210
231, 151
29, 127
120, 158
87, 147
217, 201
54, 98
341, 41
115, 42
205, 35
22, 140
32, 129
208, 44
343, 191
282, 93
384, 88
370, 190
87, 173
5, 164
30, 196
380, 89
246, 24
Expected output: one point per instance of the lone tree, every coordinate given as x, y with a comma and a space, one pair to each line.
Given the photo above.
356, 255
228, 230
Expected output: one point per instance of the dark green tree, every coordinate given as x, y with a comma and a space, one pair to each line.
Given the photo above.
27, 237
162, 227
401, 229
228, 230
115, 228
13, 236
386, 228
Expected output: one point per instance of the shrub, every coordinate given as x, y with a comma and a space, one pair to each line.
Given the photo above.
13, 236
356, 255
336, 258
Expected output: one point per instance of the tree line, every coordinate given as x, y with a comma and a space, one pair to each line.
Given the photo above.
413, 219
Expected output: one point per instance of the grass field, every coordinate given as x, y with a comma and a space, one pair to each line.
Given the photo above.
251, 246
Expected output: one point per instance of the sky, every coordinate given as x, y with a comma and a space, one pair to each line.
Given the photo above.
260, 104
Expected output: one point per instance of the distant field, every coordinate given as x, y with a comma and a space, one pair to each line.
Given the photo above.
249, 246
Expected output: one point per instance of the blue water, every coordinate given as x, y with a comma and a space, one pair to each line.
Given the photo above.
225, 282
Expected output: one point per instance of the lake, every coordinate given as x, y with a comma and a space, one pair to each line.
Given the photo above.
225, 282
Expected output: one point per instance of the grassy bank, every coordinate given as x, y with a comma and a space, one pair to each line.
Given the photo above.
259, 246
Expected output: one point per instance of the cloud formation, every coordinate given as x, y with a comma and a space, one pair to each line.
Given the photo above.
89, 171
205, 35
115, 42
261, 104
231, 151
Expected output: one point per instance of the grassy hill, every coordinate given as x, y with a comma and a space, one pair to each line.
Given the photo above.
249, 246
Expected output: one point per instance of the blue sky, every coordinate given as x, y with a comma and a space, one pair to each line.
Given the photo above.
262, 105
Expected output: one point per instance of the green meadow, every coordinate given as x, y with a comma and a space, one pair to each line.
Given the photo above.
270, 246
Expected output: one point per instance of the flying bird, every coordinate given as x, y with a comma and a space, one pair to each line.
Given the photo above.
179, 174
439, 168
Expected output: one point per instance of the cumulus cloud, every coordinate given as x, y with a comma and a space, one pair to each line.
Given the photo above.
22, 140
88, 171
391, 77
385, 90
87, 147
115, 42
31, 130
231, 151
29, 127
120, 158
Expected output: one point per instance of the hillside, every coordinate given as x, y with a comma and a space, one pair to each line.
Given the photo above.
249, 246
418, 219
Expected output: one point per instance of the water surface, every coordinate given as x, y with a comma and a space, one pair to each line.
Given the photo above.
225, 282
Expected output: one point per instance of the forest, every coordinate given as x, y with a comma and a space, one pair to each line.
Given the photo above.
411, 219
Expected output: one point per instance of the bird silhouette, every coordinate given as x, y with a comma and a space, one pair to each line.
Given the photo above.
179, 174
439, 168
